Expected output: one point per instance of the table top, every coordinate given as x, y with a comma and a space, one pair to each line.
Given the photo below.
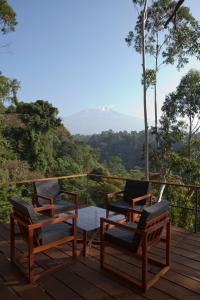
89, 217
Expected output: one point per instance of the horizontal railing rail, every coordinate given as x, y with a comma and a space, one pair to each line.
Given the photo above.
195, 188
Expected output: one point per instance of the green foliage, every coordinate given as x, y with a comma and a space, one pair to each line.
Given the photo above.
174, 44
8, 90
7, 17
39, 116
150, 77
126, 146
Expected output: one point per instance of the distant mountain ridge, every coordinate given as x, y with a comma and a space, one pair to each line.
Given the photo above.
97, 120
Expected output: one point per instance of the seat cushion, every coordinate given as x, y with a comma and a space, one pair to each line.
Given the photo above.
121, 207
122, 237
60, 205
63, 206
54, 232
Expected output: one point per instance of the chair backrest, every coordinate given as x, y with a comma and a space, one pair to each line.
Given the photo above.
151, 216
25, 212
47, 188
134, 189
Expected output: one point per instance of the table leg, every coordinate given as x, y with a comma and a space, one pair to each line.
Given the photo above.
84, 243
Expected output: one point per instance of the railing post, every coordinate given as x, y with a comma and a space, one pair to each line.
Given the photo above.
196, 210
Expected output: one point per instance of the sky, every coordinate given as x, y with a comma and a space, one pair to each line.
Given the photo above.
73, 54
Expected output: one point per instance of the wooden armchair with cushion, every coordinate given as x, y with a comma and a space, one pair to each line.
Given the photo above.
49, 192
137, 239
135, 195
39, 233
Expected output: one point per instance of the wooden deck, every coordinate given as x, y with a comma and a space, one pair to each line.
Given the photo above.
85, 280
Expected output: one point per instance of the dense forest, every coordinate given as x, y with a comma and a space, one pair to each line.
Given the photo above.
122, 146
35, 144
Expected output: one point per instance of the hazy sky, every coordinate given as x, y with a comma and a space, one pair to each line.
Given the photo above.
73, 54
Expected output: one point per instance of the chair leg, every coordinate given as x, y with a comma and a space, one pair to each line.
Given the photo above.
31, 257
168, 242
107, 213
102, 246
144, 264
74, 248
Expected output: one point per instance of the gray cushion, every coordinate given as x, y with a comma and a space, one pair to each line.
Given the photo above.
121, 207
47, 188
149, 213
51, 188
134, 189
54, 232
153, 211
122, 237
60, 205
130, 240
24, 208
63, 206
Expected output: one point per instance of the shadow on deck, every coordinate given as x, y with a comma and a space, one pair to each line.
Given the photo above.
85, 280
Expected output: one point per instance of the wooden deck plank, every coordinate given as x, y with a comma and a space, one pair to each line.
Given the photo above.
6, 292
85, 280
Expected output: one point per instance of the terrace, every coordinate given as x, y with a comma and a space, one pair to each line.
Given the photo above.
84, 279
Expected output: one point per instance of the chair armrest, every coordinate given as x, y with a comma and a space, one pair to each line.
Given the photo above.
45, 197
69, 193
76, 199
56, 220
147, 196
45, 207
124, 226
112, 195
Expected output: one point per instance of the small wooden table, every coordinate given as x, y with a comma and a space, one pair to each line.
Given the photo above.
88, 222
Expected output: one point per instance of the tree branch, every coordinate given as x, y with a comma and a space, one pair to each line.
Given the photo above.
179, 3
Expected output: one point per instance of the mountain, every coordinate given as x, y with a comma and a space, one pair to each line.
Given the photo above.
97, 120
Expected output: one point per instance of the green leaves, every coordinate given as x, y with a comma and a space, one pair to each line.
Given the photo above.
39, 116
8, 89
7, 17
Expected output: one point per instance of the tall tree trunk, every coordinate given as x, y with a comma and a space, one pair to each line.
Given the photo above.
155, 92
146, 142
189, 137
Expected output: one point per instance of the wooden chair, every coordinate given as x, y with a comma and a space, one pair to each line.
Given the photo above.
138, 239
49, 192
40, 233
135, 195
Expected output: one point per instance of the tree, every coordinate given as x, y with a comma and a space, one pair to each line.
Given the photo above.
184, 105
178, 151
8, 90
7, 17
39, 116
142, 27
174, 44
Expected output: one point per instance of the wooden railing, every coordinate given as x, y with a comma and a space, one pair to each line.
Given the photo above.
195, 210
